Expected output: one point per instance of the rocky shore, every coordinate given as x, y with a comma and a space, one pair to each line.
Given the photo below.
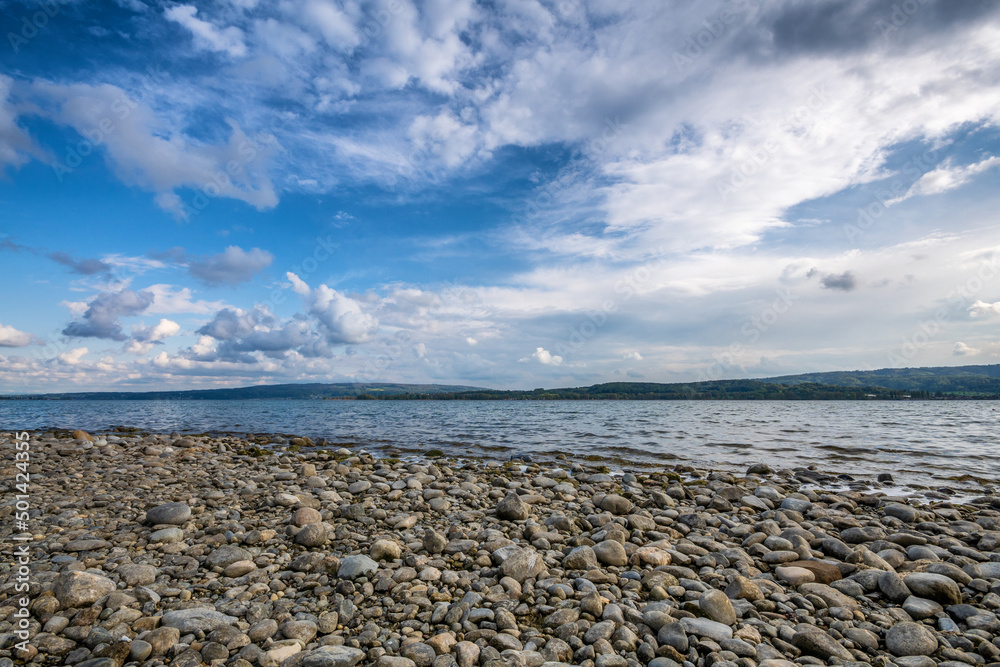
160, 549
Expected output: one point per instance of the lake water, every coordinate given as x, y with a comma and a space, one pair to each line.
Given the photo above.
925, 442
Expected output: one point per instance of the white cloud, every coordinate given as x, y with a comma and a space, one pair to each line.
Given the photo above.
161, 330
11, 337
544, 357
471, 341
76, 308
963, 350
335, 26
947, 177
342, 319
174, 300
136, 265
632, 356
206, 34
73, 357
983, 309
145, 150
298, 285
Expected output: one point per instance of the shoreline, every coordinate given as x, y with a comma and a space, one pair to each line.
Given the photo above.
216, 550
837, 473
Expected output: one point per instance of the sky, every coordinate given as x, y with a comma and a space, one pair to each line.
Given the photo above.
503, 193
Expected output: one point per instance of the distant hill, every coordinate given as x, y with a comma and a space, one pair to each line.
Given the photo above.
887, 383
719, 389
948, 380
300, 391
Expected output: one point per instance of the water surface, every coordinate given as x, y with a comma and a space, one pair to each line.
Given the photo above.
919, 441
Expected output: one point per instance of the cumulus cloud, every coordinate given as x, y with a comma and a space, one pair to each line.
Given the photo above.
632, 356
84, 267
206, 34
158, 332
103, 314
11, 337
983, 309
230, 267
73, 357
233, 323
173, 300
341, 317
963, 350
544, 357
242, 333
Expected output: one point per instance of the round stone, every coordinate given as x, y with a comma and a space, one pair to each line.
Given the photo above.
312, 535
907, 638
305, 516
718, 607
353, 567
580, 558
610, 552
616, 504
174, 514
512, 508
385, 550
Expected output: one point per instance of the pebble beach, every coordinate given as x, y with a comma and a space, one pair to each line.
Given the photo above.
161, 549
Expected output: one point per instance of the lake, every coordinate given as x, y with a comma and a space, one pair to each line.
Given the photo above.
927, 442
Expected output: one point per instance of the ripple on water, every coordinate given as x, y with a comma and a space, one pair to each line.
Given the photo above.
863, 438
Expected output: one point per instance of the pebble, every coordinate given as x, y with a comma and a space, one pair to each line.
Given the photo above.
163, 554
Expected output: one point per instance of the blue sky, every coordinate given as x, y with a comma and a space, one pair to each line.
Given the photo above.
515, 193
